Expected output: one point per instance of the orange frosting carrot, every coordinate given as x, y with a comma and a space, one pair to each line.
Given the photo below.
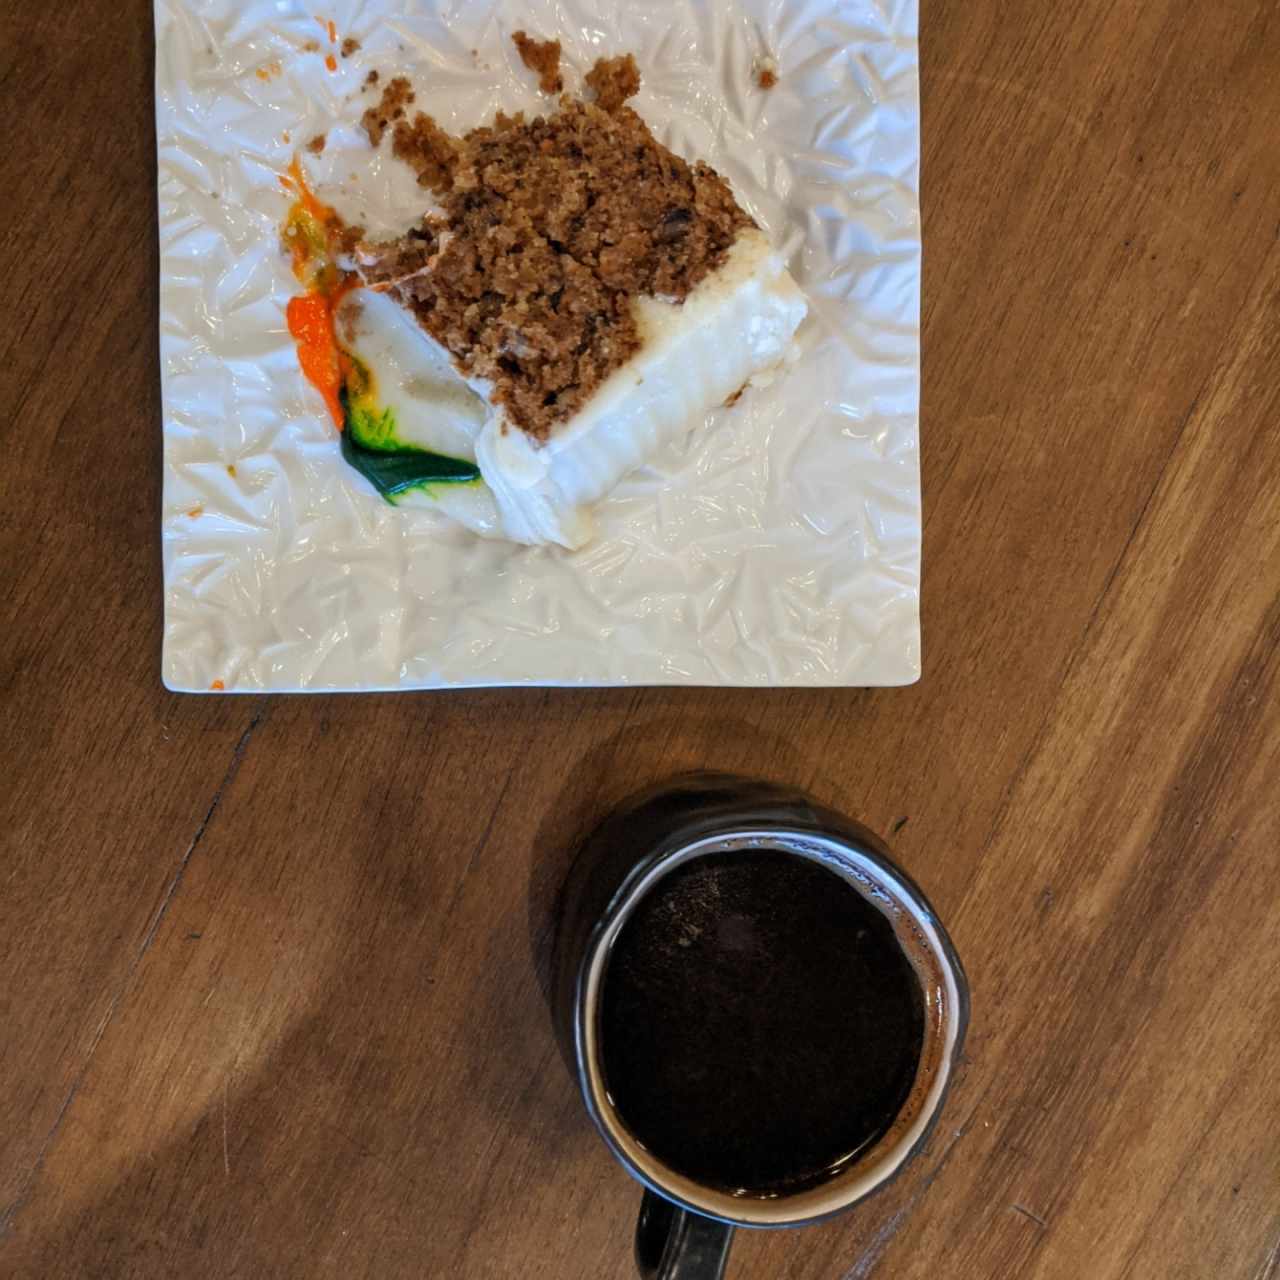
311, 324
310, 316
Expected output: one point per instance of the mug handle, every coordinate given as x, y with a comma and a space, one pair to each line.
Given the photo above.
675, 1244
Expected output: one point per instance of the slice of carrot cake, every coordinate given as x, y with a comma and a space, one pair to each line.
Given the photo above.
599, 293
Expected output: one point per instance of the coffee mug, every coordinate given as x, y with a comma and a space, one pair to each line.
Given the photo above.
647, 1020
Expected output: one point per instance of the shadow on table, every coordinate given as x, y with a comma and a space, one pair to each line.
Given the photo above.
333, 1151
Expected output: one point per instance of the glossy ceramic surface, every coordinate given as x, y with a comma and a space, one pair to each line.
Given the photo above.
778, 545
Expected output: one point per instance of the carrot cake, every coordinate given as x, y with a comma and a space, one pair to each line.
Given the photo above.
597, 293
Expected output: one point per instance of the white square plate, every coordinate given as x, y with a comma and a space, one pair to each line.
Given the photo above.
778, 545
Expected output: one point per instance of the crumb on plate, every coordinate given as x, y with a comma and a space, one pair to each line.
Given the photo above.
766, 70
377, 120
316, 145
542, 56
349, 46
614, 80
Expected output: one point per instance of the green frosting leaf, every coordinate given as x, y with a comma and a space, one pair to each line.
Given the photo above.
370, 446
373, 430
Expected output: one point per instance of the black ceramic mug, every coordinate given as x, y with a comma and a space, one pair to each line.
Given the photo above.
687, 1220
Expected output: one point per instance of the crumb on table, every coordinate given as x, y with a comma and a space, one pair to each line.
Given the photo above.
542, 56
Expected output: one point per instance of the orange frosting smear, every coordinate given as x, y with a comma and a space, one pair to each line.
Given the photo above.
310, 315
310, 319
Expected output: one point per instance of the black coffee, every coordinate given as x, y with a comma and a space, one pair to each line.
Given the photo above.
760, 1024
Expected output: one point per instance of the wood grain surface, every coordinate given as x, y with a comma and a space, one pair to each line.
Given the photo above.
271, 969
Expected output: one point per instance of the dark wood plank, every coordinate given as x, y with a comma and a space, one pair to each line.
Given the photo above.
107, 780
331, 1053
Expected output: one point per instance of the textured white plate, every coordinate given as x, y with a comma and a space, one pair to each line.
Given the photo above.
779, 546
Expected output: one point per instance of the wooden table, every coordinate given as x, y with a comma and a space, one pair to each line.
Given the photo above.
270, 1002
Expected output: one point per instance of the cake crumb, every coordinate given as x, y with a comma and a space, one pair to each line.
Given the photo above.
428, 150
311, 46
217, 686
371, 79
737, 395
377, 120
231, 470
614, 80
542, 56
349, 46
316, 145
766, 70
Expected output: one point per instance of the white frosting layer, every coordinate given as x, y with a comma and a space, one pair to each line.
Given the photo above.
434, 408
736, 325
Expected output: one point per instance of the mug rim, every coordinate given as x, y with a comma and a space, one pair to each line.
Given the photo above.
845, 856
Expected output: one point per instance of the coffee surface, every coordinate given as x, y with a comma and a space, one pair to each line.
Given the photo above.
760, 1024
